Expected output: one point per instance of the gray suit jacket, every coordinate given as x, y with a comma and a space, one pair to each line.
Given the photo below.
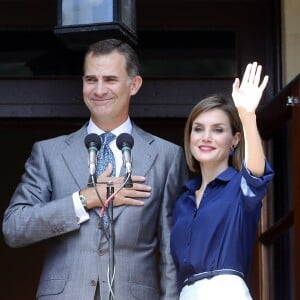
41, 209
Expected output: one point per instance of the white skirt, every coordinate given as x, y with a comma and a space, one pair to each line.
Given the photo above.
220, 287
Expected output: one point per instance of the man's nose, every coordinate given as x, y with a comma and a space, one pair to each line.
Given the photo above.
100, 87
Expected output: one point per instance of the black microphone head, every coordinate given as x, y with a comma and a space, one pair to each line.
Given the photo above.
92, 140
125, 140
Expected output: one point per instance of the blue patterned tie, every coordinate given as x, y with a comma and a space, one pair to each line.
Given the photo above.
105, 156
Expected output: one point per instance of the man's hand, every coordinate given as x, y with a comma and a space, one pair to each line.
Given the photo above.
126, 196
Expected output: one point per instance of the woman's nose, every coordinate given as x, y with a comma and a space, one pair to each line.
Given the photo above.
206, 135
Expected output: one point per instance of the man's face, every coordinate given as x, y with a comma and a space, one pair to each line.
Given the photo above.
107, 89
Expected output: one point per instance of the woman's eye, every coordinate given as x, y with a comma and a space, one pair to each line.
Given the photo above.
197, 129
219, 130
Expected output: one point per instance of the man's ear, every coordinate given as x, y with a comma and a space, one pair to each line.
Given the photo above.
136, 83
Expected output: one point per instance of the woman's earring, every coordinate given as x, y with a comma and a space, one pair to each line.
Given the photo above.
232, 149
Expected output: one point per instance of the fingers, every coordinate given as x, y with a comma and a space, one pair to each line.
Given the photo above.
137, 178
129, 196
133, 202
142, 192
138, 190
256, 69
246, 74
257, 73
126, 196
235, 85
264, 83
253, 73
106, 173
140, 187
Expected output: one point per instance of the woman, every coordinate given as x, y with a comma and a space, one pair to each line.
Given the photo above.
215, 219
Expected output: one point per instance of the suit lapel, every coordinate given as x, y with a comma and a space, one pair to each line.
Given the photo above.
143, 157
76, 157
143, 153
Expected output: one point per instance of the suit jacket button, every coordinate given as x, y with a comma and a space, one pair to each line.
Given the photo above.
100, 252
93, 282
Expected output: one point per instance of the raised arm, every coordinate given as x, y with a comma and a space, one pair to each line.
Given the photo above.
246, 96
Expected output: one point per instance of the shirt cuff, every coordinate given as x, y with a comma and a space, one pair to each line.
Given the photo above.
80, 212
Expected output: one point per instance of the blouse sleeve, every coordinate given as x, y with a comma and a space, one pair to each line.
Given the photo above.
255, 188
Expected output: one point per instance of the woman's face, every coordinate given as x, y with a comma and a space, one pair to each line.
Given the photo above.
211, 138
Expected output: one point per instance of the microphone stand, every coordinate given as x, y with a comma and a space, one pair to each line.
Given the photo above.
128, 181
110, 191
111, 237
92, 180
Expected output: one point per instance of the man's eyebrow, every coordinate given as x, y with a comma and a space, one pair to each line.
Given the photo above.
105, 76
110, 77
89, 76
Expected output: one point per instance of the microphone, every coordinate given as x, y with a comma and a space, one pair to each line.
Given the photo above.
125, 143
93, 144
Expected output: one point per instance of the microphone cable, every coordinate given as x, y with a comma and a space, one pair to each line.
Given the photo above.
110, 278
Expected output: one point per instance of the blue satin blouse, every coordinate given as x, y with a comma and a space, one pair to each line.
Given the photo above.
220, 234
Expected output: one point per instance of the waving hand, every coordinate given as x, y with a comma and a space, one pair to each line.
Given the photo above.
248, 94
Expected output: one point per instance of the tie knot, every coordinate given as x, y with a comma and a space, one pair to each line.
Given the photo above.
107, 137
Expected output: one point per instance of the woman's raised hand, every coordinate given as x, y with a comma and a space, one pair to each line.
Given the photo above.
247, 95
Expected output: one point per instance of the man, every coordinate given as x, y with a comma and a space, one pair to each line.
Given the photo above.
46, 205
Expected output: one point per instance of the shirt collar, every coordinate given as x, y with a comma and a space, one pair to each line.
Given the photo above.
126, 127
194, 183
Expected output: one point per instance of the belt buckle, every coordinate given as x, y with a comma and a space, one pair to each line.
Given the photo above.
193, 278
210, 275
190, 280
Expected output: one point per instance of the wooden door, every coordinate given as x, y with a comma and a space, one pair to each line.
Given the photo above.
279, 270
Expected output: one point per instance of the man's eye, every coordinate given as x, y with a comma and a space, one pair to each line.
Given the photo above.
111, 80
89, 80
